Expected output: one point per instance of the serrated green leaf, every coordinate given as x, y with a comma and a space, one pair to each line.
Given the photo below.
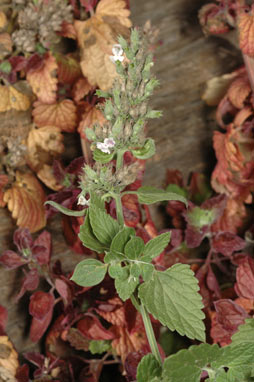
116, 271
121, 239
113, 257
89, 272
99, 346
135, 270
156, 246
64, 210
146, 271
88, 239
148, 368
177, 190
245, 332
103, 225
100, 156
147, 151
126, 287
150, 195
199, 217
97, 201
134, 248
187, 364
172, 297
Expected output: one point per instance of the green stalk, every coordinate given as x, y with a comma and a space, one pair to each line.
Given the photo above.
150, 333
119, 159
119, 209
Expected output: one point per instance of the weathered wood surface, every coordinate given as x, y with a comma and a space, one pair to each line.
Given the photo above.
183, 63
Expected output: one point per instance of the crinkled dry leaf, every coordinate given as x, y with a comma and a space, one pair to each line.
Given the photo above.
246, 33
3, 182
43, 145
96, 37
8, 360
11, 98
239, 91
80, 89
3, 20
68, 30
5, 45
46, 175
25, 199
68, 69
126, 342
43, 79
217, 87
60, 114
90, 117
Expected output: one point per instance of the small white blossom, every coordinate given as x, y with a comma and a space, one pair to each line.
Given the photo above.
106, 145
82, 201
117, 51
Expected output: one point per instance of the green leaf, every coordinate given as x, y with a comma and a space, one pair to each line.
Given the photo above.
99, 346
154, 247
89, 272
134, 248
103, 225
121, 239
172, 297
5, 67
116, 271
97, 201
126, 287
147, 151
199, 217
90, 134
150, 195
146, 271
177, 190
64, 210
148, 368
187, 364
245, 332
154, 114
88, 239
100, 156
113, 257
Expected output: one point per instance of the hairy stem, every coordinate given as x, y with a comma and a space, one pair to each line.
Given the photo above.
119, 159
119, 209
150, 333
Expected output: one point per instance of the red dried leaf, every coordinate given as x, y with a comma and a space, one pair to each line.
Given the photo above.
229, 314
60, 114
174, 177
30, 282
22, 374
23, 239
11, 260
246, 32
212, 282
212, 20
68, 69
68, 30
245, 278
226, 243
80, 89
131, 211
39, 327
91, 328
41, 303
232, 218
239, 91
42, 248
64, 290
113, 311
3, 319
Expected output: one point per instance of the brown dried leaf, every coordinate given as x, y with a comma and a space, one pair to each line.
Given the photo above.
46, 175
8, 360
126, 342
5, 45
43, 79
239, 91
61, 114
80, 89
217, 87
43, 145
4, 180
3, 20
96, 37
68, 69
11, 98
25, 200
246, 33
90, 117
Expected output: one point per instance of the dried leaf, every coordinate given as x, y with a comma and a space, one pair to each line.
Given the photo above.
68, 69
3, 182
216, 88
26, 202
43, 145
96, 37
11, 98
91, 328
246, 32
80, 89
3, 20
245, 279
40, 304
46, 175
61, 114
90, 117
239, 91
43, 79
29, 283
5, 45
126, 342
68, 30
8, 360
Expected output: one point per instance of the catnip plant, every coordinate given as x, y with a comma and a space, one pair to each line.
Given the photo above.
170, 296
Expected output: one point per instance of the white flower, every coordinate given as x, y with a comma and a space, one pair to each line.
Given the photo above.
106, 145
82, 201
117, 51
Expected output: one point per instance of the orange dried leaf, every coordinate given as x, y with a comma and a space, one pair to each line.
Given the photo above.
68, 30
3, 182
5, 45
246, 33
3, 20
217, 87
127, 342
43, 145
80, 89
8, 360
90, 117
68, 69
11, 98
46, 175
43, 80
60, 114
25, 199
96, 37
239, 91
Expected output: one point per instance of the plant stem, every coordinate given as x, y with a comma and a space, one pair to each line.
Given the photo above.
119, 209
119, 159
150, 333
